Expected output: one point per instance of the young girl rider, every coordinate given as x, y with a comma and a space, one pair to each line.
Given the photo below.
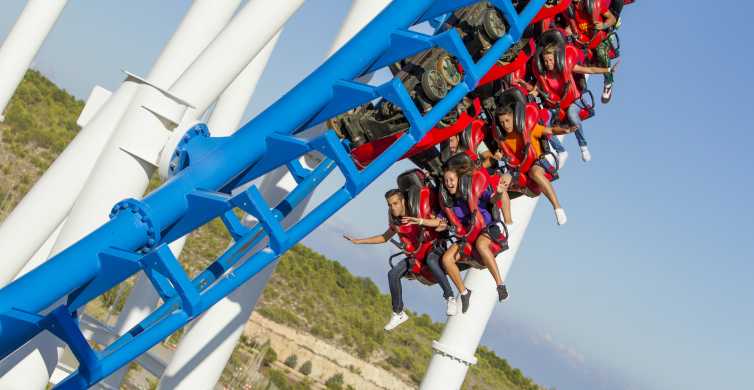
482, 243
555, 85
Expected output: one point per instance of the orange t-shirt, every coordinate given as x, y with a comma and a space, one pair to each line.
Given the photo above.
515, 141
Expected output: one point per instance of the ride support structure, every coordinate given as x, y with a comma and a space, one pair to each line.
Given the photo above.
210, 178
23, 43
206, 347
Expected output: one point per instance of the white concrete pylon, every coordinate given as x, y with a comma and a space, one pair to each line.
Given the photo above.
130, 157
225, 119
41, 255
454, 352
23, 43
228, 112
53, 195
63, 182
205, 348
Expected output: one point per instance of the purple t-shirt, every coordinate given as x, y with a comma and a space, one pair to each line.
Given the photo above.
462, 212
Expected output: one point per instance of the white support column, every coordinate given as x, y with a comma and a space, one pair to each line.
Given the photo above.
228, 112
130, 157
23, 43
454, 352
205, 349
226, 118
204, 20
41, 255
53, 195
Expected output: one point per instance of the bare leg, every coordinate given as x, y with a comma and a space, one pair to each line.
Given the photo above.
505, 200
537, 174
449, 259
482, 245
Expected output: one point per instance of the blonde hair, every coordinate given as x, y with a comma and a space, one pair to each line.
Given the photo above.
550, 49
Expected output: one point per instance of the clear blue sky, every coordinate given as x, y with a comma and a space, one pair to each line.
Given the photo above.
648, 286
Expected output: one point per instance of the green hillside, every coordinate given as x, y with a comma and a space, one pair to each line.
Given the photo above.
320, 296
307, 292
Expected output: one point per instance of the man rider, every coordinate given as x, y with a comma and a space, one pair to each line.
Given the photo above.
397, 206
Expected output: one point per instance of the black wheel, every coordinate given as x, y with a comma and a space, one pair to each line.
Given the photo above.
434, 85
448, 70
493, 24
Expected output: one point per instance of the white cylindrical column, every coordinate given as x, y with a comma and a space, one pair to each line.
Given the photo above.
23, 43
204, 20
359, 15
130, 157
454, 352
205, 349
53, 195
249, 31
41, 255
229, 109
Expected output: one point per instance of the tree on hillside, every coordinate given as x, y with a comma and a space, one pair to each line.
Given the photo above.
291, 361
306, 368
335, 382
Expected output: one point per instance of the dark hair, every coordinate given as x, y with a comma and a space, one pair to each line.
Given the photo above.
504, 110
393, 192
460, 164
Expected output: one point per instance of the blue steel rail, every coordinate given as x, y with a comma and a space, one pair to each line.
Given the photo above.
209, 182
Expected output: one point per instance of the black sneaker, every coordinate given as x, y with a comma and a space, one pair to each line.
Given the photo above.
502, 292
465, 301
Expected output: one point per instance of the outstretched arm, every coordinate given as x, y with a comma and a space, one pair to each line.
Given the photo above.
379, 239
557, 130
590, 69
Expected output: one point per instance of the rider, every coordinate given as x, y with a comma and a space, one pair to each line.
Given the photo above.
482, 244
514, 146
471, 142
557, 88
397, 206
589, 24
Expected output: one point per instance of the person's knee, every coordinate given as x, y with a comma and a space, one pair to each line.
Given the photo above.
448, 259
480, 244
536, 172
394, 273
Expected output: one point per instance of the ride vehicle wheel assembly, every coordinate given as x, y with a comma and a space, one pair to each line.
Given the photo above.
434, 85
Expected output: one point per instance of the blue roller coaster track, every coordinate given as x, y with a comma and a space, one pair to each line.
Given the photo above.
211, 176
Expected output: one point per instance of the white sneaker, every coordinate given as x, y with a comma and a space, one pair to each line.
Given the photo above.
585, 155
395, 320
562, 156
607, 91
452, 306
560, 216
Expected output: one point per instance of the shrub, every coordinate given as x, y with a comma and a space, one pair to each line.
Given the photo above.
306, 368
291, 361
270, 356
335, 382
